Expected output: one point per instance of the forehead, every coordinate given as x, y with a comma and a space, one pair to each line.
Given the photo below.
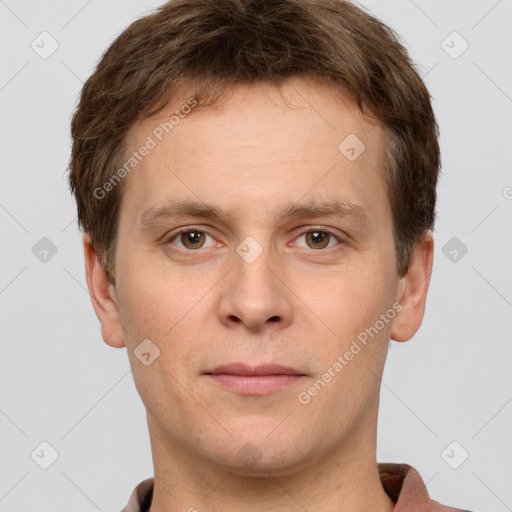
259, 144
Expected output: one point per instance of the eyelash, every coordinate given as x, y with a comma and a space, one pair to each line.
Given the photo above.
192, 229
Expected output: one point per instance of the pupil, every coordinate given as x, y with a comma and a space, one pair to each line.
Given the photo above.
192, 238
317, 237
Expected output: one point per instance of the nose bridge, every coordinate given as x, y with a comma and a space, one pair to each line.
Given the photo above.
253, 293
252, 268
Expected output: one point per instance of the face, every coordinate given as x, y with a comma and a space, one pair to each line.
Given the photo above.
252, 234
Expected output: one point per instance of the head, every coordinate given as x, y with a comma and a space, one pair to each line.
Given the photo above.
307, 142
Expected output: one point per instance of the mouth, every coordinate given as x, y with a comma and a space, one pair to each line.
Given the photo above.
260, 380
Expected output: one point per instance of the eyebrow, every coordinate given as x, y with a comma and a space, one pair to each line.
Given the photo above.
186, 207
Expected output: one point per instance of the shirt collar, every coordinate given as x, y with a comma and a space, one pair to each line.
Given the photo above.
402, 483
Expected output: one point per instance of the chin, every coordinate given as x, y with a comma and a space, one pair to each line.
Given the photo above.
260, 454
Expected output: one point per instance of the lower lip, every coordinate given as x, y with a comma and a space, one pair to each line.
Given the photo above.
255, 384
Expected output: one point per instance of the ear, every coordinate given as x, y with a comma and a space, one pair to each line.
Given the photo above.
103, 296
413, 288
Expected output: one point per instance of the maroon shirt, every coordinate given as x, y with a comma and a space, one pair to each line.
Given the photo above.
402, 483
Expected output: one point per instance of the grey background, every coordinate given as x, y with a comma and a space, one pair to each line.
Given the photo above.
60, 383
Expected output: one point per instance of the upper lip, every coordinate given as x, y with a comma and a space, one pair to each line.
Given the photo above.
244, 369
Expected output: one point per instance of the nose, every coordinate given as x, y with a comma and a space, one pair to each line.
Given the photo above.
255, 295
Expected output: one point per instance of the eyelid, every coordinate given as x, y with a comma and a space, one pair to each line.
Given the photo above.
308, 229
320, 229
186, 229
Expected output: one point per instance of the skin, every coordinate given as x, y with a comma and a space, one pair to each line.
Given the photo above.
296, 305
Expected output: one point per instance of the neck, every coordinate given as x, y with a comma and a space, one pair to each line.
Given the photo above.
342, 480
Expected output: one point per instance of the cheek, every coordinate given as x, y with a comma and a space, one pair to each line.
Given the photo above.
353, 299
165, 312
154, 302
167, 399
353, 302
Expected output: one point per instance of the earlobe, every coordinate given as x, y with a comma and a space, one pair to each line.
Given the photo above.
412, 292
103, 297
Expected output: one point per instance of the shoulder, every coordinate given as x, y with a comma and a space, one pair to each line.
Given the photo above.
141, 497
406, 488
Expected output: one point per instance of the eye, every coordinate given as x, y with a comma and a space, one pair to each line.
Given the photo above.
190, 238
319, 238
194, 239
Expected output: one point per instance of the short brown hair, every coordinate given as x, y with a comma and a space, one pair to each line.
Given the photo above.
220, 43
